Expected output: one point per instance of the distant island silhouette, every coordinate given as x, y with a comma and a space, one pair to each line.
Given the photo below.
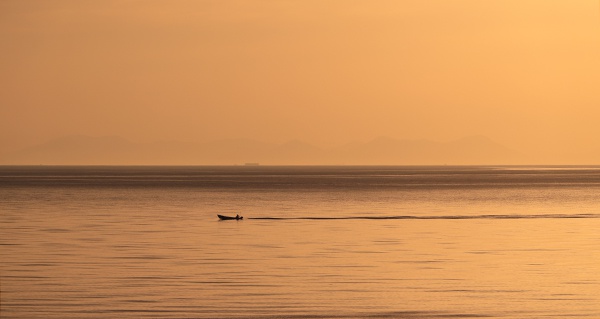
115, 150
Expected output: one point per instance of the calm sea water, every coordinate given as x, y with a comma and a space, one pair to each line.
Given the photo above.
316, 242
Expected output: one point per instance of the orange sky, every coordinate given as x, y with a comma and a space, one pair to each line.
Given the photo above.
525, 73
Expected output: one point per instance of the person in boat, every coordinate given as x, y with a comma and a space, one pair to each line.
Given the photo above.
237, 216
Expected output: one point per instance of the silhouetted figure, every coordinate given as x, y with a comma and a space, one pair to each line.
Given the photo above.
237, 216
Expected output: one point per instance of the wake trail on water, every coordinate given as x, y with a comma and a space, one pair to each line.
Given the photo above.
538, 216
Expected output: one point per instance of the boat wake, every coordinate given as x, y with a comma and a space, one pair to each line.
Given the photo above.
538, 216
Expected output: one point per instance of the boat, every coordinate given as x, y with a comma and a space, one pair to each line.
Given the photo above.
223, 217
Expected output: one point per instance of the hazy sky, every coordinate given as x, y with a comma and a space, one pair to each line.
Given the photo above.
525, 73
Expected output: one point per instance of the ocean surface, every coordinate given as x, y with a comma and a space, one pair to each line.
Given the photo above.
315, 242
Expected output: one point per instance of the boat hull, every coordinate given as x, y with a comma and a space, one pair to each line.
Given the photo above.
223, 217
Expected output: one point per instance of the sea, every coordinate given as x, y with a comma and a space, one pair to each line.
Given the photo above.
314, 242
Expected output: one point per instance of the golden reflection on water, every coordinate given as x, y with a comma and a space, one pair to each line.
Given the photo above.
135, 264
159, 251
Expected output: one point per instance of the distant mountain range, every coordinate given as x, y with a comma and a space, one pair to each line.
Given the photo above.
114, 150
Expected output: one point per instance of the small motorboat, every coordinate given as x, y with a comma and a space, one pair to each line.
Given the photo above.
223, 217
